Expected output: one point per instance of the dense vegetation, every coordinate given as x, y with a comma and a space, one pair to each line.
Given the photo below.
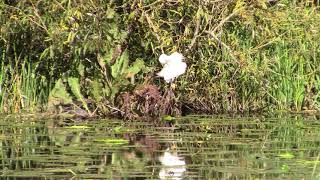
100, 56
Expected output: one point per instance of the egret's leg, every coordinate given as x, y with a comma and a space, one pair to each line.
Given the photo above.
171, 91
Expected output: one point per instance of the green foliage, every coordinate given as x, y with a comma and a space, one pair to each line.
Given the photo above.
66, 40
59, 95
241, 55
75, 89
96, 89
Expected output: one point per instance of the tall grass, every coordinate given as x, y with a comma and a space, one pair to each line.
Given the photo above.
21, 89
265, 59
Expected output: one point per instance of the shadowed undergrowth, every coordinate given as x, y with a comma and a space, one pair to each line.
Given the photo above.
100, 57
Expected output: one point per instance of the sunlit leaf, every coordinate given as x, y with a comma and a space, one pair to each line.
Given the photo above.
59, 95
120, 65
110, 13
286, 155
78, 127
135, 68
168, 118
75, 88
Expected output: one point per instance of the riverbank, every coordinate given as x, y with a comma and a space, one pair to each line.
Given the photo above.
100, 58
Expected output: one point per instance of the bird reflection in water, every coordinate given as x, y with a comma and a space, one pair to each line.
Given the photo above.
173, 166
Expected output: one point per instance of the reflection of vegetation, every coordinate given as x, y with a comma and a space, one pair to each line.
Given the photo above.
269, 148
243, 55
215, 148
42, 148
113, 141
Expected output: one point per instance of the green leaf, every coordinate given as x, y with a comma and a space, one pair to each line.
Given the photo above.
110, 13
168, 118
59, 94
122, 36
95, 90
106, 58
132, 15
81, 69
78, 127
121, 65
114, 90
136, 67
286, 155
75, 88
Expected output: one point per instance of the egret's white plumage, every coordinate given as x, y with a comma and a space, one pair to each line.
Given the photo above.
173, 66
163, 59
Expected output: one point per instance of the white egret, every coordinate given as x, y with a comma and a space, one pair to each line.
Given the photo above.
173, 66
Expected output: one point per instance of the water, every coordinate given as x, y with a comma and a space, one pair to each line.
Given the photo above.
190, 148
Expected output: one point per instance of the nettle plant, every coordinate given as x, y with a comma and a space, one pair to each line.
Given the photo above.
91, 59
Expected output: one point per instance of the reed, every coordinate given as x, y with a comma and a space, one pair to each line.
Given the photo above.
21, 90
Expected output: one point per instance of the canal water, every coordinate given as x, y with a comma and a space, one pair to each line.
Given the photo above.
192, 147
